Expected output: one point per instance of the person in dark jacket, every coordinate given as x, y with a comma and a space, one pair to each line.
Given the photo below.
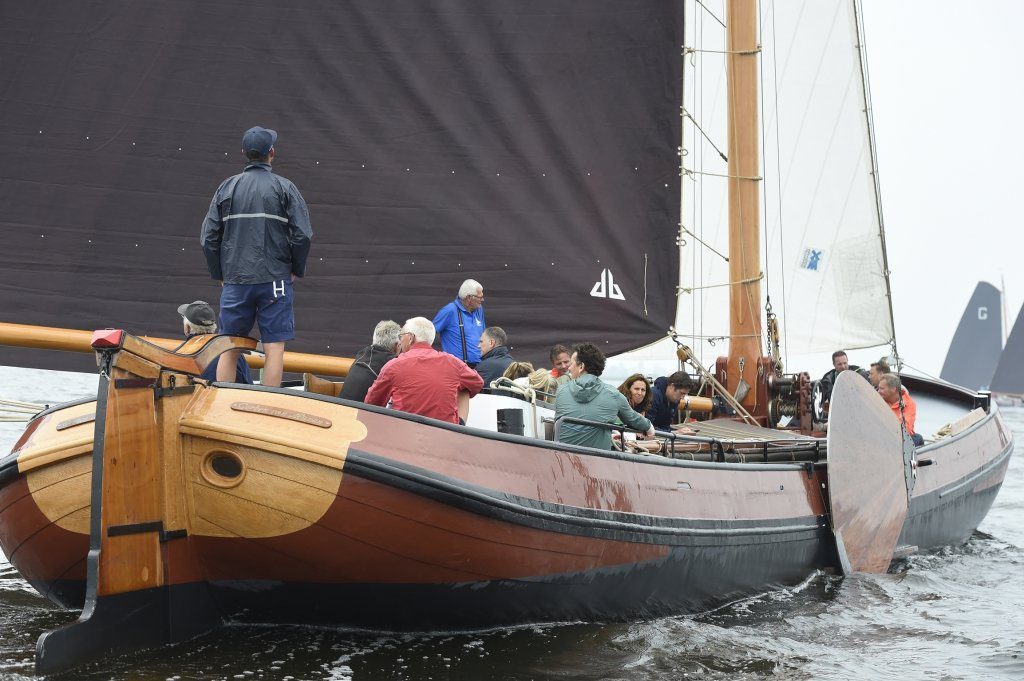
256, 238
588, 397
494, 357
840, 363
198, 318
665, 396
370, 360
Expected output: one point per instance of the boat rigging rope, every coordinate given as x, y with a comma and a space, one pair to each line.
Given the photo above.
704, 134
710, 379
689, 172
708, 10
750, 280
778, 189
682, 242
17, 411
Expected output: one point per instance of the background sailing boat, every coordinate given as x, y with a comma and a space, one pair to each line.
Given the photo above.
978, 341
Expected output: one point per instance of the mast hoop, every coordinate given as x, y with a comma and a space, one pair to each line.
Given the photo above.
720, 337
689, 172
694, 50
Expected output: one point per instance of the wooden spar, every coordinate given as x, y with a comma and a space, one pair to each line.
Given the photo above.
744, 201
76, 340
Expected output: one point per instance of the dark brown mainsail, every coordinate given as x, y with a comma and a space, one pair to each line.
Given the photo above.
529, 145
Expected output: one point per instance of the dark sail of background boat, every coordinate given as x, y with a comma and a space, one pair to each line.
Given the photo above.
974, 350
529, 145
1009, 375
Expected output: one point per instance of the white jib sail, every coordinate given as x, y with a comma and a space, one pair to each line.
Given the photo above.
822, 245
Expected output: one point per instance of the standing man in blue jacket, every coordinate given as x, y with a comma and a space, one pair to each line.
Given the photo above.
256, 238
460, 323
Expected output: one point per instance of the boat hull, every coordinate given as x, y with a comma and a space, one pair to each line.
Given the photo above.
410, 524
505, 530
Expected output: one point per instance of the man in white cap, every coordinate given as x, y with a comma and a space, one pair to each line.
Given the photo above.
198, 318
256, 238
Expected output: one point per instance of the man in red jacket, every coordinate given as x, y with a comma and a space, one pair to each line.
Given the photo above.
891, 389
422, 380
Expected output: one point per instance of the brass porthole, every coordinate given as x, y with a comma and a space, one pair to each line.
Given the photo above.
223, 468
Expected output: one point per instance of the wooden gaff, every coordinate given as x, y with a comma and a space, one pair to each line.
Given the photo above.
76, 340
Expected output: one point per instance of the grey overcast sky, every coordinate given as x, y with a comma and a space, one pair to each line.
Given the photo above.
947, 82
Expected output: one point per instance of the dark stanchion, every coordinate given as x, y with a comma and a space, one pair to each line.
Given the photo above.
510, 421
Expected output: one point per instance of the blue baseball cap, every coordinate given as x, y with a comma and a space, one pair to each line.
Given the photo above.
259, 139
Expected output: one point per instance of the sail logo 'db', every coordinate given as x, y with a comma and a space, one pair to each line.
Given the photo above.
811, 259
606, 287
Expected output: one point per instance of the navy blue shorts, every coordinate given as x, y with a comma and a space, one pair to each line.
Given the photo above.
269, 304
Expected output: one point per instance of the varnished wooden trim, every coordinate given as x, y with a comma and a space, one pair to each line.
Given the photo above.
280, 412
332, 458
62, 450
77, 421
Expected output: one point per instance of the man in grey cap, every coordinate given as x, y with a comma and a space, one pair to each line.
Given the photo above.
256, 238
198, 318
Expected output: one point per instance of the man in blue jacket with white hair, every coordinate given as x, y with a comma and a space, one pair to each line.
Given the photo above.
460, 323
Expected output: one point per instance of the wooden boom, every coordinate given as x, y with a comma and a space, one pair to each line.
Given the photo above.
76, 340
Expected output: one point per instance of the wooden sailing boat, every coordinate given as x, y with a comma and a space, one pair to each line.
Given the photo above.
168, 506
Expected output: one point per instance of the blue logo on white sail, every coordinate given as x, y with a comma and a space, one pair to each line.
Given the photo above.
811, 259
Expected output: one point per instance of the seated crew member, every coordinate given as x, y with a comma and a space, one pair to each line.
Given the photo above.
890, 388
560, 356
637, 392
461, 322
198, 318
422, 380
517, 370
542, 383
494, 357
588, 397
370, 360
665, 395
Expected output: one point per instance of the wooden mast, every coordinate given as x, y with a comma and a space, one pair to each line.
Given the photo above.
744, 357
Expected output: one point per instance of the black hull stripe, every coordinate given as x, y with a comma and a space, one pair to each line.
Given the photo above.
574, 520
